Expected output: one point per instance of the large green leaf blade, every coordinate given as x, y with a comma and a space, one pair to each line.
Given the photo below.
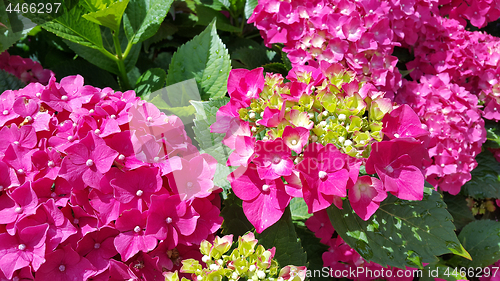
143, 18
204, 58
482, 240
73, 27
110, 17
401, 233
485, 182
457, 206
150, 81
282, 235
249, 7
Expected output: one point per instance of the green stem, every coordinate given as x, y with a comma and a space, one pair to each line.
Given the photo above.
120, 62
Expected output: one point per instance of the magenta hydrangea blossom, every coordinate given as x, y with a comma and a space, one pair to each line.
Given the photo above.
365, 196
24, 68
264, 200
70, 170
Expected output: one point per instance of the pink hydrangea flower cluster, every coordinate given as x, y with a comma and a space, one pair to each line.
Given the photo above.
471, 59
478, 12
358, 34
308, 138
456, 128
340, 256
25, 69
97, 183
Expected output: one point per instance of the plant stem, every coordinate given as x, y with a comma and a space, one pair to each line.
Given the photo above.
120, 61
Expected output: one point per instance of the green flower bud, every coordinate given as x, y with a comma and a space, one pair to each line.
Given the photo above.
190, 266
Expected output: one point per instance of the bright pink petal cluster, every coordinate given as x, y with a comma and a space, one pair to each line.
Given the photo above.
98, 184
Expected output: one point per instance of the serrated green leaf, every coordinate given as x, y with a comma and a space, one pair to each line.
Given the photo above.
485, 182
206, 15
482, 240
205, 59
457, 206
249, 7
150, 81
12, 27
110, 16
401, 233
298, 207
143, 18
314, 250
220, 179
73, 27
282, 235
9, 82
286, 61
235, 222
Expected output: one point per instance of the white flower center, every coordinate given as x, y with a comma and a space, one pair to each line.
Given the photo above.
341, 139
89, 162
251, 267
342, 116
156, 159
442, 165
91, 111
261, 274
121, 157
97, 131
64, 97
251, 115
16, 142
396, 135
137, 229
389, 169
265, 187
189, 184
347, 142
294, 142
20, 171
168, 220
5, 112
322, 174
70, 138
112, 116
50, 164
97, 245
21, 247
139, 192
276, 159
149, 119
38, 94
62, 268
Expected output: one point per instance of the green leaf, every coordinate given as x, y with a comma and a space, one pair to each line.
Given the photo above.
298, 207
249, 7
314, 250
457, 206
251, 57
73, 27
152, 80
286, 61
282, 235
485, 182
217, 5
205, 59
111, 16
143, 18
276, 67
97, 58
482, 240
9, 82
166, 29
400, 233
206, 16
208, 142
492, 134
235, 222
12, 27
